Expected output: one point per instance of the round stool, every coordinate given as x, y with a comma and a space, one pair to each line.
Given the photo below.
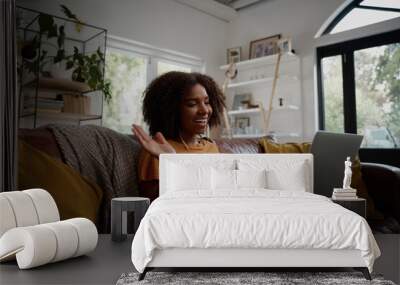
119, 208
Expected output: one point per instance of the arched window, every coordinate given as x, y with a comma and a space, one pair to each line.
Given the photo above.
360, 13
358, 77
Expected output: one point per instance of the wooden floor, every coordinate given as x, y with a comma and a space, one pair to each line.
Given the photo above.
111, 259
103, 266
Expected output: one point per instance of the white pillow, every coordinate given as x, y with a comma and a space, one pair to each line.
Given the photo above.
223, 179
293, 178
251, 178
190, 177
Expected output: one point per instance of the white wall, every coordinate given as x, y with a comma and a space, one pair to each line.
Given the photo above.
298, 19
171, 25
163, 23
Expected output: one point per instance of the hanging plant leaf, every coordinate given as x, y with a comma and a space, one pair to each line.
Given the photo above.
52, 32
61, 37
28, 51
67, 12
60, 56
69, 64
46, 22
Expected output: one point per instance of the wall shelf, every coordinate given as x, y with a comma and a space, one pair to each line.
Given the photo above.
58, 85
42, 98
244, 111
256, 78
67, 116
260, 81
286, 108
262, 61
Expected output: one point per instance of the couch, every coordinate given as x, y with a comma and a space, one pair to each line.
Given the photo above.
382, 181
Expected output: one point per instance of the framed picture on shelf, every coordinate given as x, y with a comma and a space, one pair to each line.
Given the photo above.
242, 122
239, 101
285, 45
264, 47
233, 55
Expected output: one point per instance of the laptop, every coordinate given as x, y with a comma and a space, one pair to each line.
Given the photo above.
330, 151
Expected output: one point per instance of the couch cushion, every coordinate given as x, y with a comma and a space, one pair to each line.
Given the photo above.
268, 146
238, 145
42, 139
74, 195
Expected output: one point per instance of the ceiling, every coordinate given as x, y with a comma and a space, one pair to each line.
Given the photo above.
239, 4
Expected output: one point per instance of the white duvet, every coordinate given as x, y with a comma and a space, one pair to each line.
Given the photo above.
250, 218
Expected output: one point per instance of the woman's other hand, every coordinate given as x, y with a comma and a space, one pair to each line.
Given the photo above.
156, 145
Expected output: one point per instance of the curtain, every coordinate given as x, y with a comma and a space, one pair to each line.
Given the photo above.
8, 97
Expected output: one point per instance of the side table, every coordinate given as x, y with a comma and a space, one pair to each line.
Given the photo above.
357, 205
119, 208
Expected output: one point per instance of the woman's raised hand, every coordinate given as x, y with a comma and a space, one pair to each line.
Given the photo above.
156, 145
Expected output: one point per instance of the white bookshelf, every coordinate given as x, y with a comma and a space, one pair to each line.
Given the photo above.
244, 112
262, 61
256, 76
259, 81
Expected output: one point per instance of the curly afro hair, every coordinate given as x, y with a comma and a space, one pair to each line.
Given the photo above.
162, 98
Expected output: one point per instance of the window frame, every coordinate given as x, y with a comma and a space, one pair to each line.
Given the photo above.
354, 4
153, 55
346, 50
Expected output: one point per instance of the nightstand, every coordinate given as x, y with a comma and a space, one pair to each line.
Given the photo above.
357, 205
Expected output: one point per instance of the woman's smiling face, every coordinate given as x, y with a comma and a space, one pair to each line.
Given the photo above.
195, 111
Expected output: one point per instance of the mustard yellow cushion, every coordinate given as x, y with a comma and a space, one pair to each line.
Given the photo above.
74, 195
270, 147
357, 182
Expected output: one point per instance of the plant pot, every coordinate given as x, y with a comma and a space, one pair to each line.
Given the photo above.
59, 70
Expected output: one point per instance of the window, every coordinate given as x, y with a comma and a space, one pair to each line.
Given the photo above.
163, 67
359, 89
359, 17
127, 73
377, 80
130, 67
359, 13
333, 93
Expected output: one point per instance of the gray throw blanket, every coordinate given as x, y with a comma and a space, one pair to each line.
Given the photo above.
105, 157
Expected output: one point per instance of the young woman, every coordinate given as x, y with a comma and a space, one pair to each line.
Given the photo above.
178, 107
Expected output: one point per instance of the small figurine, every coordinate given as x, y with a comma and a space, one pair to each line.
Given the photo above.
347, 174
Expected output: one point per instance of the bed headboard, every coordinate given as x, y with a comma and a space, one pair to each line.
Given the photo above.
234, 161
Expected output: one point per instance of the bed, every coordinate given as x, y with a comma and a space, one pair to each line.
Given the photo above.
247, 210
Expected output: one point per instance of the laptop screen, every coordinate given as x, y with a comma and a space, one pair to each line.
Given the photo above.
330, 151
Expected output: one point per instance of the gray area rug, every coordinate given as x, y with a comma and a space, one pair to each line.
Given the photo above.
229, 278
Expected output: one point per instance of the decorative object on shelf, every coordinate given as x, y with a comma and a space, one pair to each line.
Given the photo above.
257, 76
280, 102
230, 74
234, 54
89, 69
264, 47
285, 45
241, 123
347, 192
56, 59
240, 101
49, 28
347, 174
76, 104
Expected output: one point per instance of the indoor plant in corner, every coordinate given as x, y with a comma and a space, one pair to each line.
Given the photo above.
76, 66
